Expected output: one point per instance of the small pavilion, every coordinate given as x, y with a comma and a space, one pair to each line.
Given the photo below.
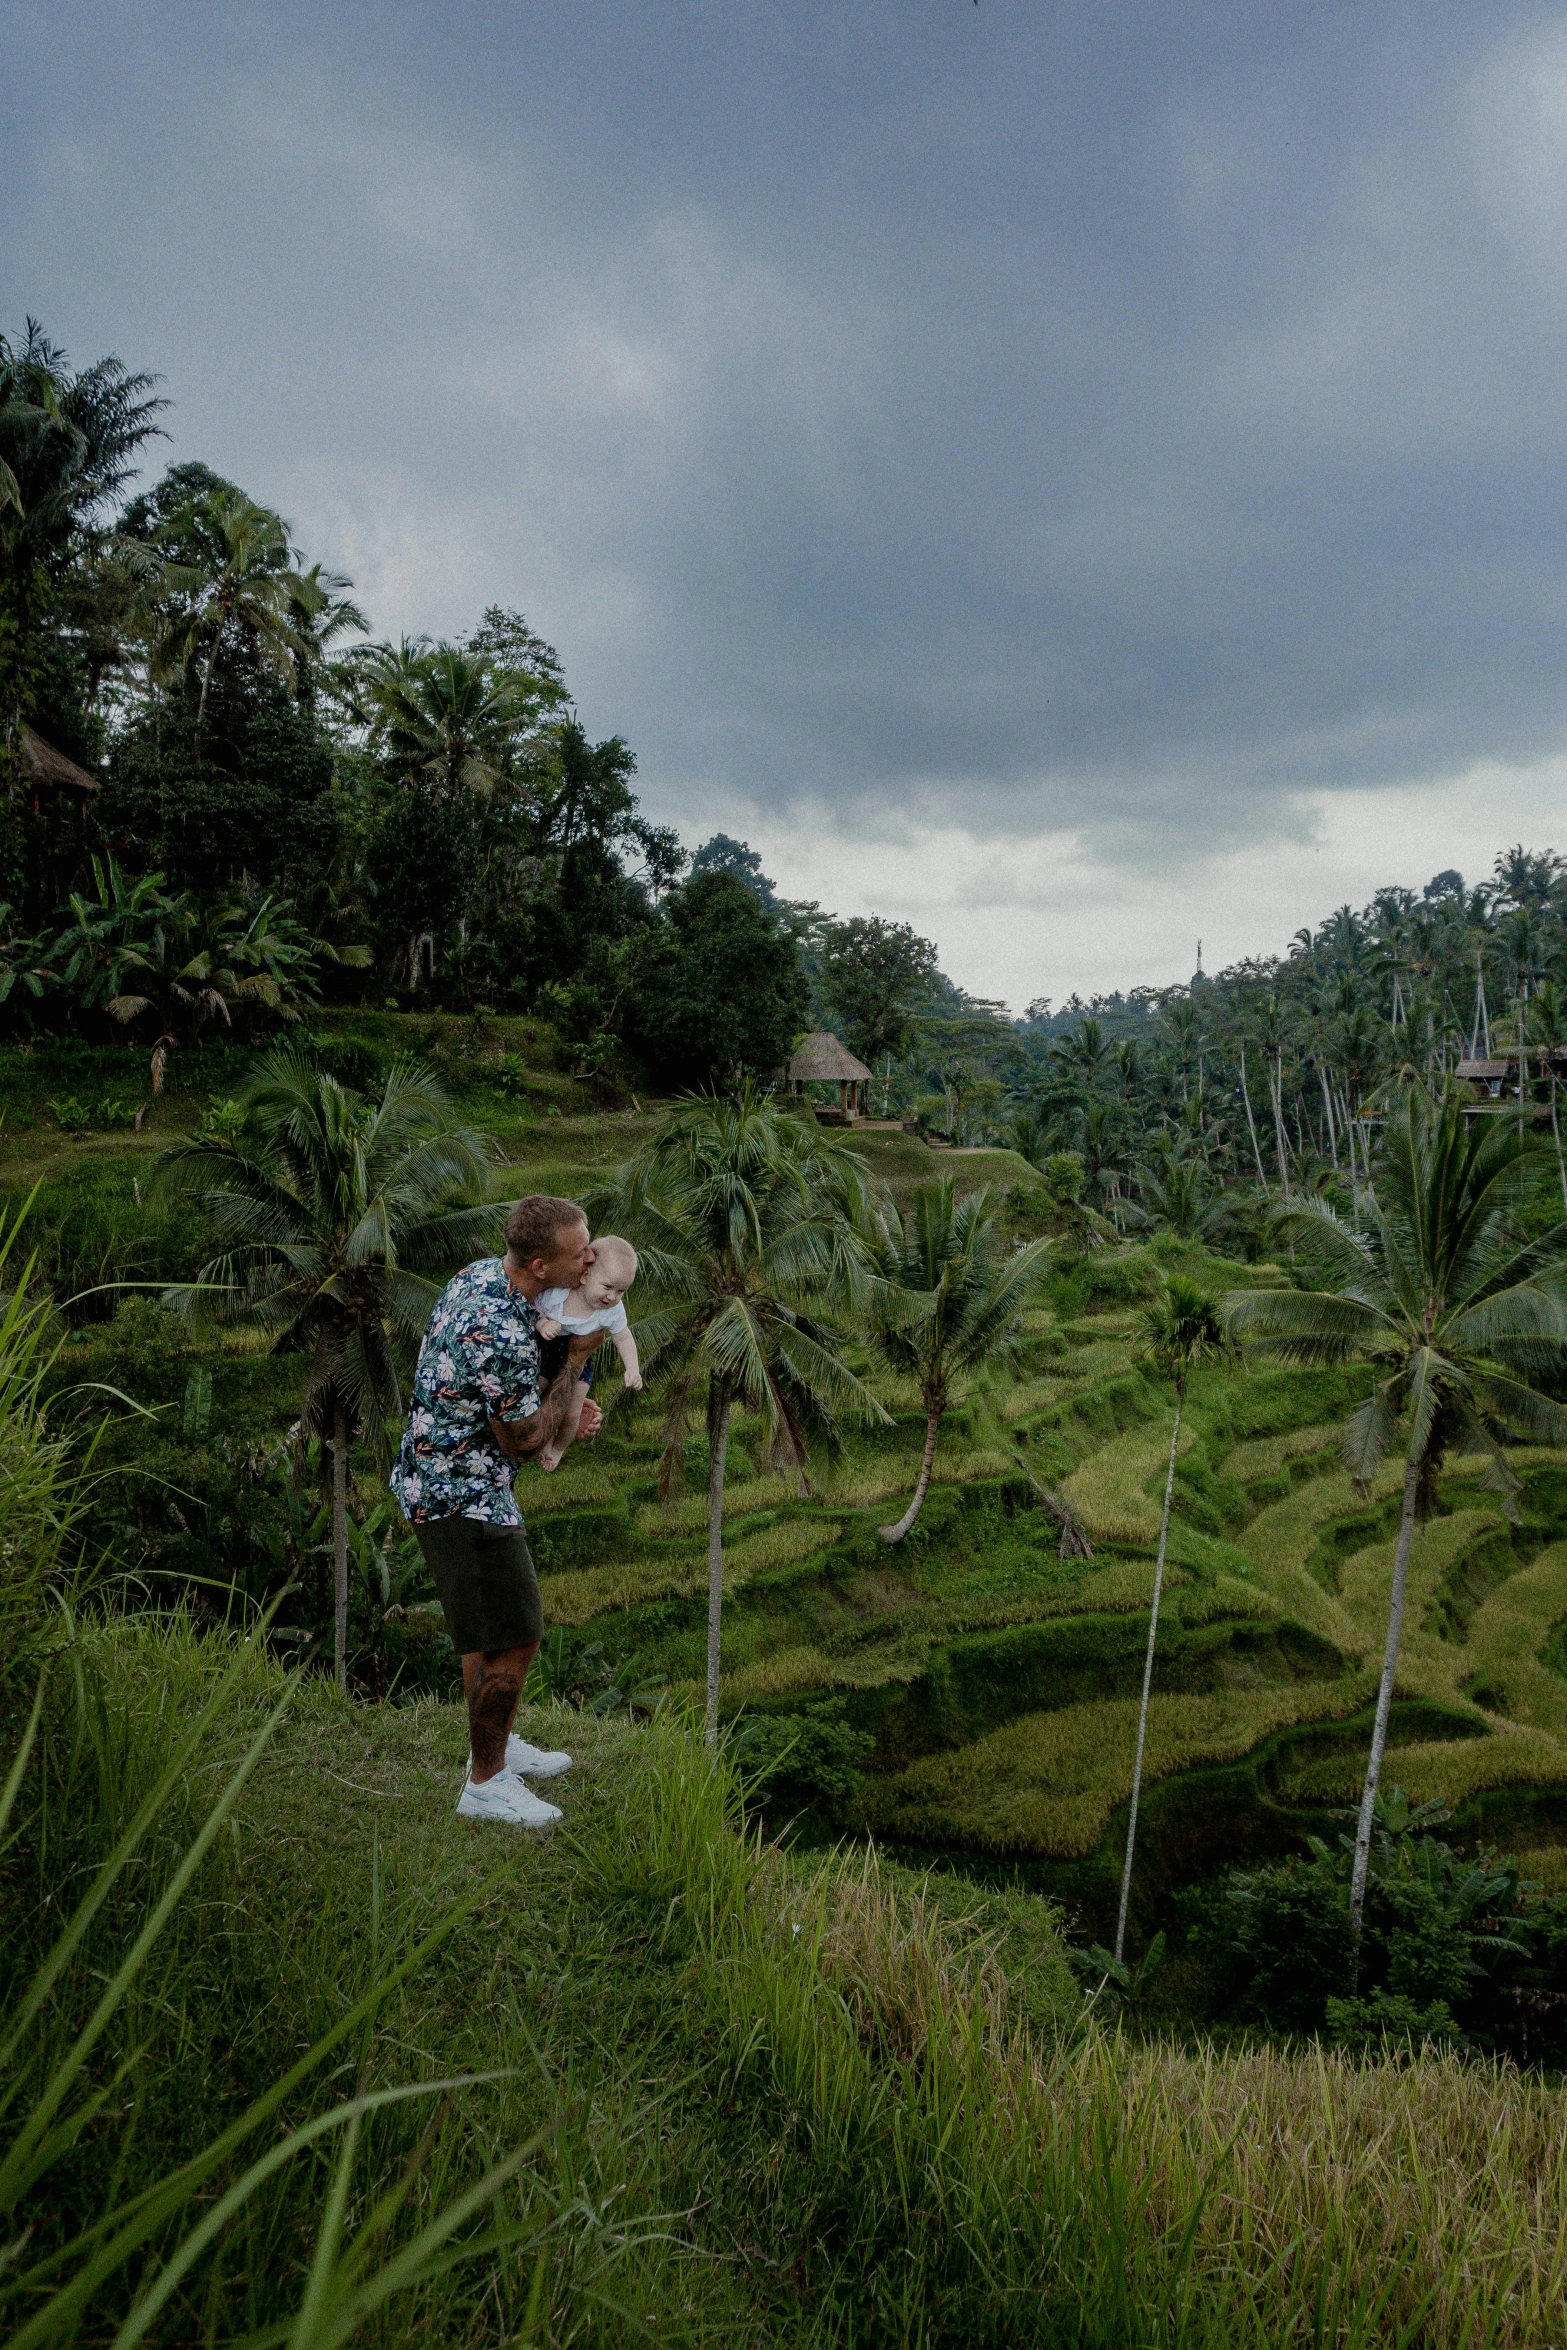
58, 793
823, 1060
47, 769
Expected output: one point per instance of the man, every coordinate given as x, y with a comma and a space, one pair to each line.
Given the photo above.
477, 1412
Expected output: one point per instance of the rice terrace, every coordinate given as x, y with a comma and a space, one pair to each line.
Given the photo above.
767, 1577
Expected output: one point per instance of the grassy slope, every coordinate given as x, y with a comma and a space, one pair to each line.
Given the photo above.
781, 2102
995, 1678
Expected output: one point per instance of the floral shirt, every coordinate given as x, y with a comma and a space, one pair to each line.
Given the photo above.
479, 1360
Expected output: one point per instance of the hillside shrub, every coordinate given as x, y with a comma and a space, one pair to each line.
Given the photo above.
1455, 1946
1108, 1277
809, 1757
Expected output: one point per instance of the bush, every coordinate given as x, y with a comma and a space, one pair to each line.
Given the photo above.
351, 1060
810, 1757
80, 1117
1064, 1175
1453, 1946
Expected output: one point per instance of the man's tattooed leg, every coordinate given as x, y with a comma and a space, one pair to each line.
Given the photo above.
494, 1685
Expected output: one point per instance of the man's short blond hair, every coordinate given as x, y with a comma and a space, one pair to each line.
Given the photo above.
618, 1258
535, 1224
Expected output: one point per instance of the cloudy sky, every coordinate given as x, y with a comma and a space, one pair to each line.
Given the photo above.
1082, 478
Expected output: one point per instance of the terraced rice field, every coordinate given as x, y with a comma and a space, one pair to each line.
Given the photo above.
997, 1681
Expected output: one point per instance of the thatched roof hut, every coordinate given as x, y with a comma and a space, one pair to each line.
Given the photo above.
823, 1056
42, 764
822, 1059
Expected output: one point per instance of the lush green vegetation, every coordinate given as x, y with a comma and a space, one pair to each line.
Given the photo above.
970, 1695
810, 2036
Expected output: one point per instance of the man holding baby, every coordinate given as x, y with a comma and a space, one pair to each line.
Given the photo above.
483, 1403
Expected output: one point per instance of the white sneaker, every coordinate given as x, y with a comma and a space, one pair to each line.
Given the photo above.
505, 1798
534, 1761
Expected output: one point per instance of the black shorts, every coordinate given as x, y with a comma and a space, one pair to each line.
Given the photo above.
552, 1360
484, 1575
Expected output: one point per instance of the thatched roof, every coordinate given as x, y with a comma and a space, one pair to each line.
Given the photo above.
822, 1056
42, 763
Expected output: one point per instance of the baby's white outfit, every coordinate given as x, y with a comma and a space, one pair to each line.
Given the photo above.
550, 1303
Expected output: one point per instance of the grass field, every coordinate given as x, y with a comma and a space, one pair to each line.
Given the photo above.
993, 1679
746, 2098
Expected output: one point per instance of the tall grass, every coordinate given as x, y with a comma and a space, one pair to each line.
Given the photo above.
43, 1502
210, 2128
967, 2184
187, 2152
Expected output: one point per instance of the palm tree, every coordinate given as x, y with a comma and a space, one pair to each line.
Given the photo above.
66, 448
1179, 1330
1434, 1285
239, 582
1272, 1035
950, 1295
320, 615
1083, 1052
331, 1214
446, 716
1176, 1190
746, 1223
1547, 1024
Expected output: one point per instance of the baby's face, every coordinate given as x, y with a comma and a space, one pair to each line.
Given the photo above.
603, 1286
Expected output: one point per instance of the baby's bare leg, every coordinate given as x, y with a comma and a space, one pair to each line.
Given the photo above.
571, 1420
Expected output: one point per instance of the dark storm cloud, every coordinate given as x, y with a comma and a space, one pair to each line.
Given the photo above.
1112, 418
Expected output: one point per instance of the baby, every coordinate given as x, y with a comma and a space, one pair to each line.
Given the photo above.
564, 1314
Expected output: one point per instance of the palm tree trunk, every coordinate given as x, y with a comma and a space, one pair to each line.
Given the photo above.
340, 1544
1368, 1802
932, 1431
1142, 1711
1327, 1104
1251, 1123
717, 1448
1556, 1134
206, 681
1276, 1096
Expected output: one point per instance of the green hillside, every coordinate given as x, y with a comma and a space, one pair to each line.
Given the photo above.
987, 1684
745, 2089
735, 2097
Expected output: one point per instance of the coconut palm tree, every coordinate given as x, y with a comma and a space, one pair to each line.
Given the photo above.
324, 612
1434, 1284
1176, 1189
1179, 1330
1547, 1024
332, 1213
950, 1295
746, 1223
448, 717
1272, 1033
1083, 1053
66, 447
238, 582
